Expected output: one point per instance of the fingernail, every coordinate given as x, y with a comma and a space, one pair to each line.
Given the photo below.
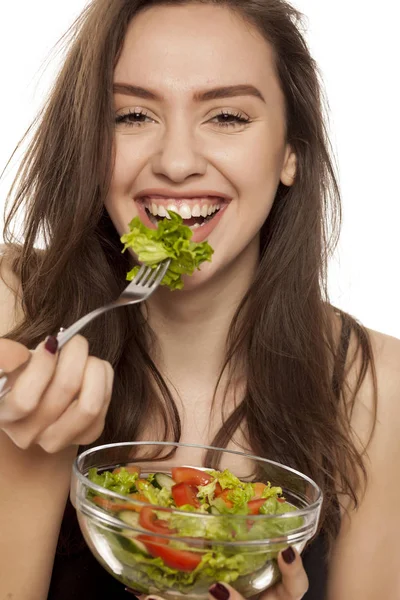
219, 591
288, 555
51, 344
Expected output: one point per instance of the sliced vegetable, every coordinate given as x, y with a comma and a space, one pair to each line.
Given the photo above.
149, 520
191, 476
129, 517
255, 505
161, 480
183, 494
110, 505
258, 489
224, 496
183, 560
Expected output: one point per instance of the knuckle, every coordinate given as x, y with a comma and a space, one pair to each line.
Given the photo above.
90, 410
24, 405
92, 435
67, 386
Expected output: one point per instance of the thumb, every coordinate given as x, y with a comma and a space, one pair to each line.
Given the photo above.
12, 355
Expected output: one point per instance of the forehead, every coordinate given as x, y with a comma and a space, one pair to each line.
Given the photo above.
189, 46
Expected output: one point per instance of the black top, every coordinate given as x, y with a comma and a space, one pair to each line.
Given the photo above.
77, 574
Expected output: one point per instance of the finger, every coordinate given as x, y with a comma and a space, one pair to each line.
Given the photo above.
81, 413
61, 391
12, 355
294, 582
223, 591
31, 383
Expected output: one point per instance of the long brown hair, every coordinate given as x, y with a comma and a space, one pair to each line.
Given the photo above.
282, 330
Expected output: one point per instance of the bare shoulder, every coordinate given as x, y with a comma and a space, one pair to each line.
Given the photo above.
366, 555
385, 416
10, 293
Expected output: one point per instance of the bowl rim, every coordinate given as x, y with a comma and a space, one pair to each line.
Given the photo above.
314, 506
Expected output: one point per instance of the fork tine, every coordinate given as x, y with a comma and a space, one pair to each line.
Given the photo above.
147, 275
161, 274
139, 274
153, 276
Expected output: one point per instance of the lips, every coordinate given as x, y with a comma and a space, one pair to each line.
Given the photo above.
196, 208
199, 210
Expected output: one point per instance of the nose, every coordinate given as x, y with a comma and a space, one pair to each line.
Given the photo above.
178, 156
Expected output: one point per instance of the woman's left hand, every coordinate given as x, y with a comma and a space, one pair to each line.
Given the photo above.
293, 586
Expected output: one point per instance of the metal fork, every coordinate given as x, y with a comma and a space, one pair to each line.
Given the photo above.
140, 288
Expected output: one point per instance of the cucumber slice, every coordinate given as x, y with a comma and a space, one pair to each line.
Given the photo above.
127, 537
129, 543
129, 517
161, 480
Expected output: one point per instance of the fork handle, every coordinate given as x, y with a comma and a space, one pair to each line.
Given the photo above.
64, 335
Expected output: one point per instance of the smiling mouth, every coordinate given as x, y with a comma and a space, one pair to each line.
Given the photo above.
195, 212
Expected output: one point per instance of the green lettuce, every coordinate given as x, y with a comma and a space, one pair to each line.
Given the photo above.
121, 483
271, 491
159, 497
171, 240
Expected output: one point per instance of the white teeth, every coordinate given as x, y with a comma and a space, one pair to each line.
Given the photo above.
196, 211
162, 212
195, 226
173, 208
204, 211
154, 209
211, 209
184, 211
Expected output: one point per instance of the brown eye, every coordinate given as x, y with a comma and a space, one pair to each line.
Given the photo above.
132, 118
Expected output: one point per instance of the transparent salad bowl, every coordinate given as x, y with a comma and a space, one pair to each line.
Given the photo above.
192, 550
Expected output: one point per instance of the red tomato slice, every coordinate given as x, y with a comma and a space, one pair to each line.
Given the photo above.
224, 496
218, 490
183, 560
190, 475
184, 493
148, 520
258, 489
281, 500
255, 505
111, 505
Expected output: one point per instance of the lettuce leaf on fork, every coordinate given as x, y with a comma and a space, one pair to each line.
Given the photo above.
171, 240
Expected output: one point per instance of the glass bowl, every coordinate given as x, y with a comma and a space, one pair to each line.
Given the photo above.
201, 548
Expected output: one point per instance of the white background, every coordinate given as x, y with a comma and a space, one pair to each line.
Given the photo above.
355, 43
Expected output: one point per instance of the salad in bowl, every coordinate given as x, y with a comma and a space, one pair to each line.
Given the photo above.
173, 529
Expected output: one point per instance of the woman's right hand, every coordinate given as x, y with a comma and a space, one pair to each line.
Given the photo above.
59, 400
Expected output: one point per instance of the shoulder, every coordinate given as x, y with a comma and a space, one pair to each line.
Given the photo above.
10, 291
377, 403
366, 554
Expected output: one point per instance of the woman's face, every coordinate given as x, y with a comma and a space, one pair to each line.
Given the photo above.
200, 129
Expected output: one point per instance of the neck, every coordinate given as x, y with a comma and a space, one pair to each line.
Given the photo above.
192, 325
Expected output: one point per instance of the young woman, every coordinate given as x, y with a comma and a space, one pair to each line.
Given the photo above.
187, 104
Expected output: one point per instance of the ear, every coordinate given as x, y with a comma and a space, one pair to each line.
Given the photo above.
288, 173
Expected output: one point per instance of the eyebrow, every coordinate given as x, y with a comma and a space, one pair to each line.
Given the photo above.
229, 91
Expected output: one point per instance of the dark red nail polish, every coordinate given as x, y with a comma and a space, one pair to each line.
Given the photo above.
288, 555
51, 344
219, 591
